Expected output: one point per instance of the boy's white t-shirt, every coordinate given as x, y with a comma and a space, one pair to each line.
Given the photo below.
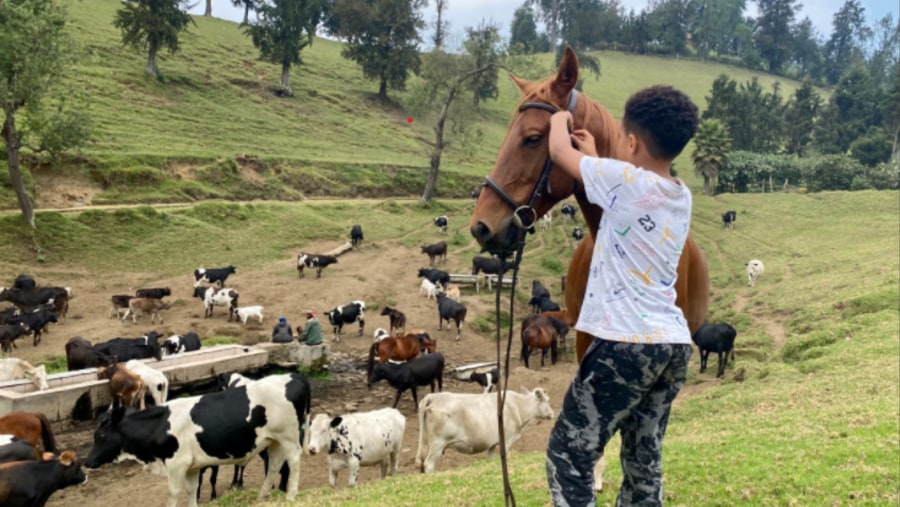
630, 294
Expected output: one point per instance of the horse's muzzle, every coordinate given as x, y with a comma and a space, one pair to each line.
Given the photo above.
505, 240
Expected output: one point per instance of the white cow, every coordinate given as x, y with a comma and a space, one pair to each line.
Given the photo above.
360, 439
245, 312
545, 221
18, 369
755, 270
428, 289
155, 380
468, 422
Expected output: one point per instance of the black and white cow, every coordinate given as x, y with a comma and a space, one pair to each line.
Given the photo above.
176, 344
212, 275
356, 235
577, 234
728, 219
225, 427
568, 212
436, 276
212, 297
317, 261
347, 314
442, 222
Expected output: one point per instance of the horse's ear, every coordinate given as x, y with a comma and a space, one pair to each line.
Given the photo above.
567, 74
521, 83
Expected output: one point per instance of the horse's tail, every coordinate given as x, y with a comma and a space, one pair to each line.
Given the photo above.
554, 344
371, 364
47, 434
524, 354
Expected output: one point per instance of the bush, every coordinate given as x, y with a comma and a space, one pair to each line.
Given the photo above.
832, 172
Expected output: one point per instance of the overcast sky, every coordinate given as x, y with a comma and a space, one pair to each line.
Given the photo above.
465, 13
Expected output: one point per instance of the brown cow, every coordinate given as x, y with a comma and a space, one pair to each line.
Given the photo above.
137, 306
125, 386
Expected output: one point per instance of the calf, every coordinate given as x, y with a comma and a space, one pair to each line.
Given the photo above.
356, 236
80, 354
448, 310
119, 304
436, 250
718, 338
397, 318
487, 380
245, 312
16, 449
31, 483
424, 370
126, 349
155, 293
453, 293
347, 314
155, 381
380, 334
181, 343
755, 269
19, 369
225, 427
317, 261
545, 221
428, 289
35, 321
212, 275
212, 298
468, 422
138, 306
9, 333
577, 234
728, 219
435, 276
126, 387
489, 265
360, 439
568, 212
442, 222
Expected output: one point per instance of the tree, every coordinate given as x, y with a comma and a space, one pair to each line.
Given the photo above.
440, 24
844, 47
589, 24
381, 37
523, 38
152, 25
886, 51
483, 45
806, 54
800, 118
208, 11
34, 52
714, 25
669, 21
850, 112
773, 31
711, 147
636, 32
283, 29
248, 5
551, 13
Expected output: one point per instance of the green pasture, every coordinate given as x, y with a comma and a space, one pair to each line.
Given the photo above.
807, 415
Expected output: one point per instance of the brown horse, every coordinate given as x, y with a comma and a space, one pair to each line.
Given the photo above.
31, 426
541, 332
400, 348
523, 185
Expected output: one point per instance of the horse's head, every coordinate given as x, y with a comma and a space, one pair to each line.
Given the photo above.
523, 185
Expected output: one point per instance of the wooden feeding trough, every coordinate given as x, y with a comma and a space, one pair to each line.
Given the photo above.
78, 395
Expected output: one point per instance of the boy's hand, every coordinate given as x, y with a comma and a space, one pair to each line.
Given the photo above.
584, 142
561, 119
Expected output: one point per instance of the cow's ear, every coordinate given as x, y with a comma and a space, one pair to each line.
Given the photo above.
67, 458
336, 421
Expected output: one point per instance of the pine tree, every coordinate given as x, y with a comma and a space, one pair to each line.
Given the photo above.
152, 25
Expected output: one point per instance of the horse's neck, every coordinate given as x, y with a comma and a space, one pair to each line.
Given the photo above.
606, 131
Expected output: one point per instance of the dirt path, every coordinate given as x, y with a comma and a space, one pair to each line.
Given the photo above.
772, 323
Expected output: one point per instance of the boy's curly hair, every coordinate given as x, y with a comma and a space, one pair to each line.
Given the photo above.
663, 117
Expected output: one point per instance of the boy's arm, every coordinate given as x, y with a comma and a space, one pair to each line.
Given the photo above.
561, 151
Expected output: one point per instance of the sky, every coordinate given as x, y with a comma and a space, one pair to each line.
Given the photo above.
465, 13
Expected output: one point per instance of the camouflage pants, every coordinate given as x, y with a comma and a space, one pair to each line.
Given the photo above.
625, 387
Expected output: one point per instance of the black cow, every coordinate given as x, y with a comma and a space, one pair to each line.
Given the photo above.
356, 235
219, 428
422, 371
537, 291
718, 338
568, 212
35, 321
441, 223
9, 333
436, 276
347, 314
212, 275
728, 219
126, 349
435, 250
489, 265
8, 313
31, 483
16, 449
154, 293
317, 261
24, 282
577, 234
182, 343
80, 354
448, 310
543, 304
31, 298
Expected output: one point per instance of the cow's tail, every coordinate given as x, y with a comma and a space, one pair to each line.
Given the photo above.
47, 434
371, 364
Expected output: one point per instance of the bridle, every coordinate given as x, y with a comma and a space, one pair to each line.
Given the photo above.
525, 215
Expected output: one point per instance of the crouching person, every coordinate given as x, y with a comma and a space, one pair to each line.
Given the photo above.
282, 333
312, 333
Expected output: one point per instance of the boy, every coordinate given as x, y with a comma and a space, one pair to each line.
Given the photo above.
638, 360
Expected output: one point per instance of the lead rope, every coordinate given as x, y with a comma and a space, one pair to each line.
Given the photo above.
508, 496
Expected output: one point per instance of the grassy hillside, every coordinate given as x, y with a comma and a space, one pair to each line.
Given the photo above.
160, 140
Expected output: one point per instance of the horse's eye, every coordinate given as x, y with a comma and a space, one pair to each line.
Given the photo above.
532, 141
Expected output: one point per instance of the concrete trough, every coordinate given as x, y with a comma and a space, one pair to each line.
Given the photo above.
463, 372
79, 395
